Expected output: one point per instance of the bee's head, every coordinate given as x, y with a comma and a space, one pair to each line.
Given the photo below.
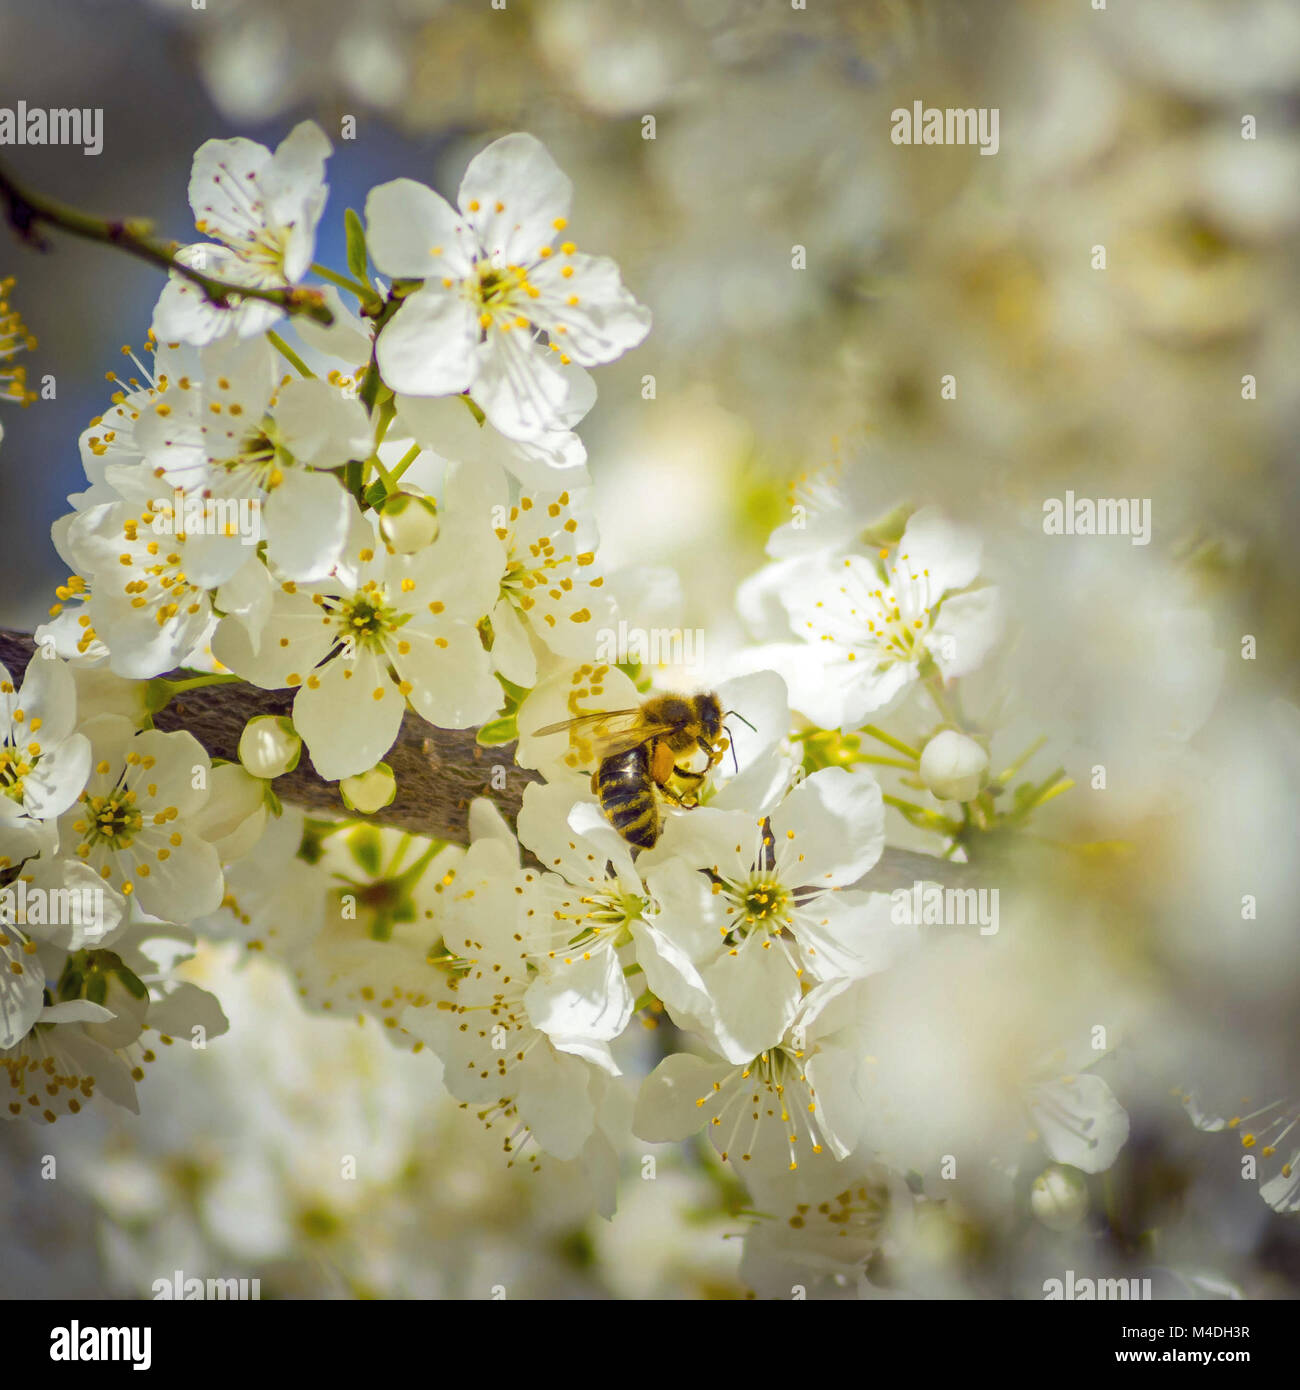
708, 710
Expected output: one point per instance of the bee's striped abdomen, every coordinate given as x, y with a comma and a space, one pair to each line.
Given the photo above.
627, 796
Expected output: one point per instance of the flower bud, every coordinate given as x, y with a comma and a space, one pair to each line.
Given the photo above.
369, 792
409, 522
269, 747
1059, 1198
954, 766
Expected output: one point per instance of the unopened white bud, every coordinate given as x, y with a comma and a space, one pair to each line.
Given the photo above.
1059, 1198
269, 747
369, 792
409, 522
954, 767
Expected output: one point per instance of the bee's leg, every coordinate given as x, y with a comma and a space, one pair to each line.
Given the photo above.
712, 751
685, 775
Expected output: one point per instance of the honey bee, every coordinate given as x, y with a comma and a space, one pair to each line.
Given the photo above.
638, 751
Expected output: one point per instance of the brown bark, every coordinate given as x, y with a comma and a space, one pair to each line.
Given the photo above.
439, 771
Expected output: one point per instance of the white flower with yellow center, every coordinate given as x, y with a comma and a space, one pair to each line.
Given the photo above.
790, 1104
551, 585
509, 310
384, 629
262, 209
44, 762
747, 910
236, 431
874, 625
380, 898
151, 581
54, 906
543, 1087
1271, 1134
88, 1041
578, 916
134, 822
825, 1245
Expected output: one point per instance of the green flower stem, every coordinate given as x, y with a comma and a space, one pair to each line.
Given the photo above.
1006, 776
934, 684
159, 692
390, 484
344, 282
385, 413
1053, 786
897, 744
407, 459
289, 355
922, 816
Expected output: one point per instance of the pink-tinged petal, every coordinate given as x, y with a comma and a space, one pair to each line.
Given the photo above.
223, 187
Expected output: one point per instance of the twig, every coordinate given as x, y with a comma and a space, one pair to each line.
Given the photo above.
26, 211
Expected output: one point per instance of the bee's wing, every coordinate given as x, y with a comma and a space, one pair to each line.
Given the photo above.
609, 732
616, 719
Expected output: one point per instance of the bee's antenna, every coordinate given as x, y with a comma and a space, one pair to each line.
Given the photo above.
742, 719
731, 743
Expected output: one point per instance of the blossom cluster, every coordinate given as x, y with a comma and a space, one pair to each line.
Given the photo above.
390, 518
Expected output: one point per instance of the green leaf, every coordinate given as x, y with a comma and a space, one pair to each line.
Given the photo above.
356, 236
497, 731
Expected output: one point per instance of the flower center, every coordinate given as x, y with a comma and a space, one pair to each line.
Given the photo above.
15, 764
366, 618
761, 905
113, 820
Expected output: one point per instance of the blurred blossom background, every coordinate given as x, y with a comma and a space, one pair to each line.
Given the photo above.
1119, 128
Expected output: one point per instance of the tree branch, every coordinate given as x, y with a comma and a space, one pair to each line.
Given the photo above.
439, 771
26, 211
